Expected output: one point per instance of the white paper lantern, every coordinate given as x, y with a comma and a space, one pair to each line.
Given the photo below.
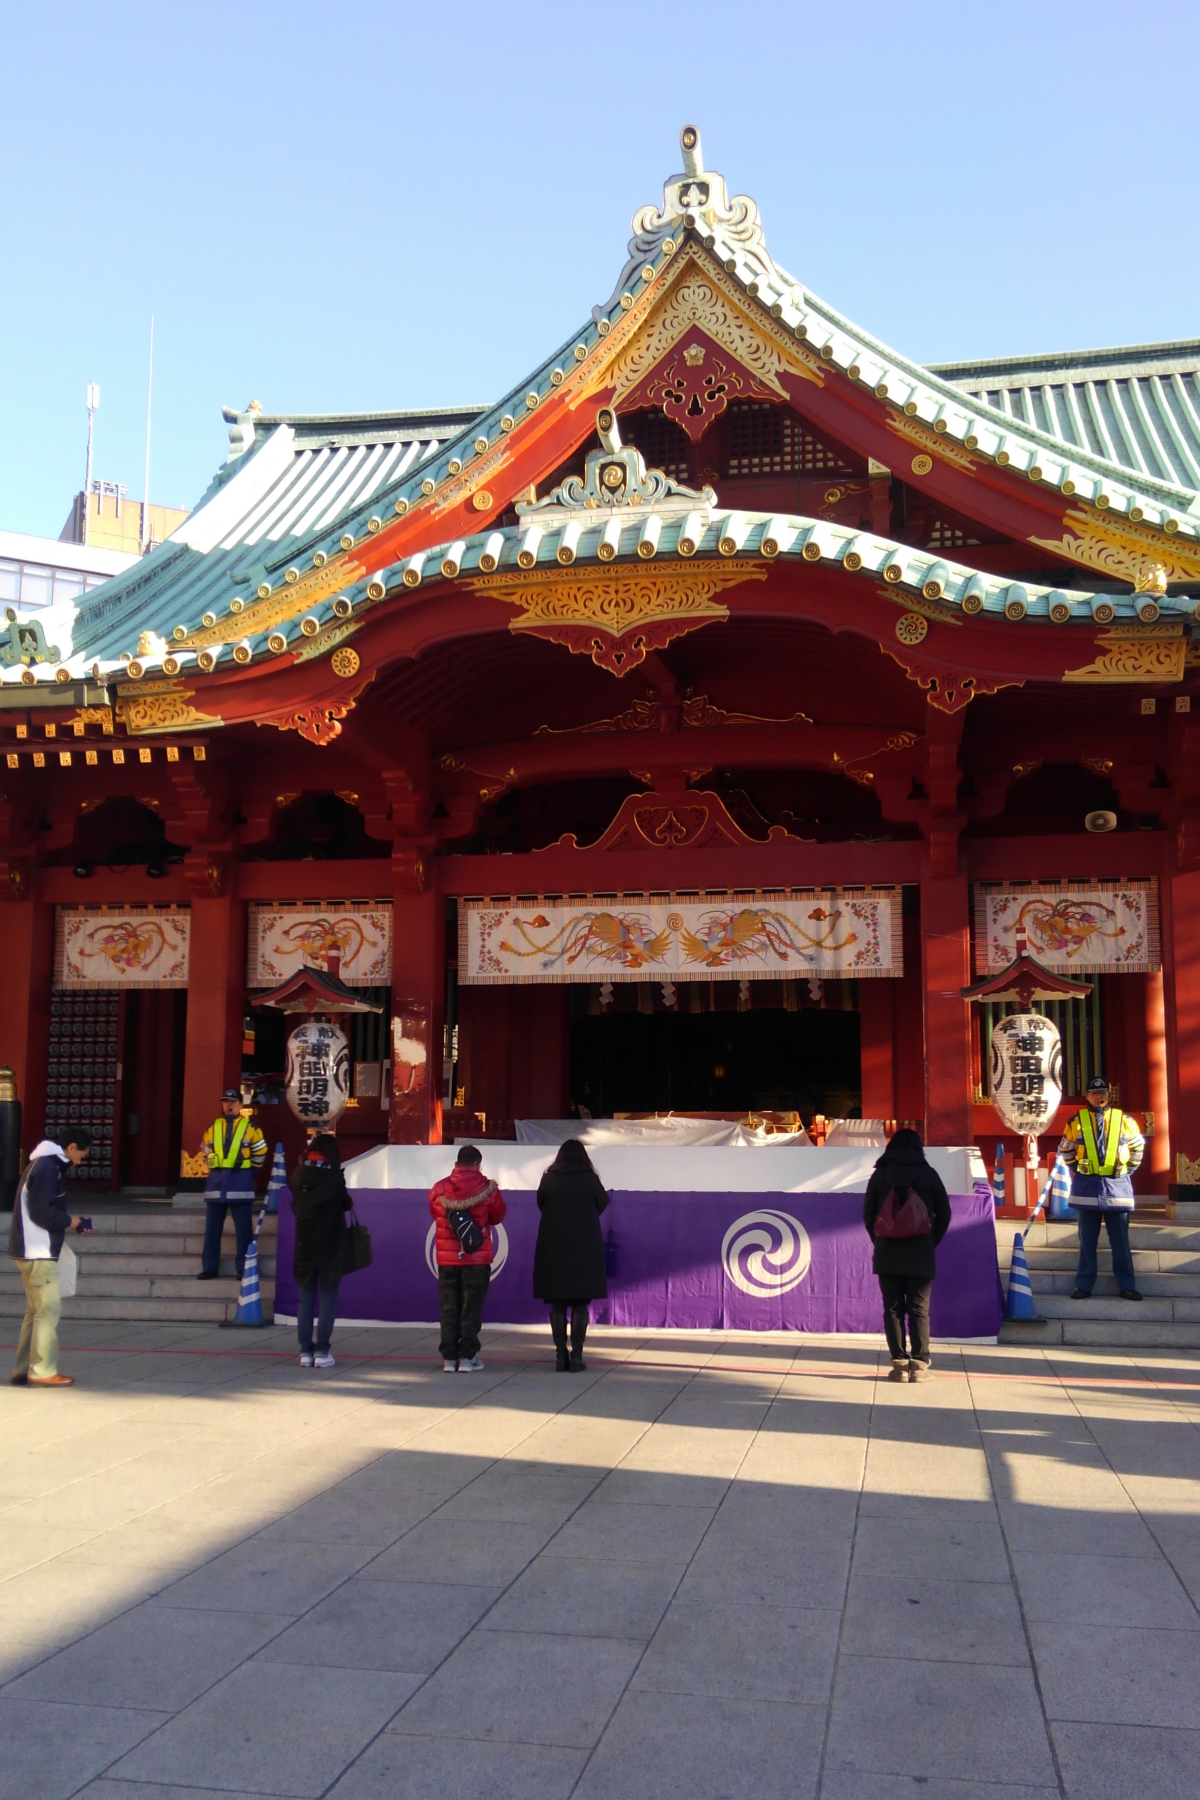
318, 1072
1026, 1072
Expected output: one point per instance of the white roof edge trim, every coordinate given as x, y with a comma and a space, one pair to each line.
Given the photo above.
204, 529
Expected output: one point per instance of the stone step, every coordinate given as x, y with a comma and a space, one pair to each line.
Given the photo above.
190, 1311
1122, 1333
1164, 1234
1154, 1309
1167, 1262
1162, 1287
126, 1281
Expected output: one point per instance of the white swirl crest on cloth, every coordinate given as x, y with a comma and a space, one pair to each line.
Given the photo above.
766, 1253
499, 1245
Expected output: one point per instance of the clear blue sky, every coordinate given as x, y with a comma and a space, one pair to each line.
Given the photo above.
331, 207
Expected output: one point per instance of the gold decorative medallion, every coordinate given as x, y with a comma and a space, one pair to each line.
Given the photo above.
933, 445
922, 465
345, 662
912, 628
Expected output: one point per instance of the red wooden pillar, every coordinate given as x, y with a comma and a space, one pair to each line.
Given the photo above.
908, 1041
27, 927
215, 1009
418, 998
1157, 1164
875, 1006
945, 971
1182, 921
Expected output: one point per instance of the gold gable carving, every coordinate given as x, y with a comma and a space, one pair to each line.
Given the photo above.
160, 707
616, 616
699, 301
1123, 552
1125, 658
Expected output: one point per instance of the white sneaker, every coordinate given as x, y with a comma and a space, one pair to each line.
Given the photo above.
449, 1368
325, 1359
471, 1366
306, 1359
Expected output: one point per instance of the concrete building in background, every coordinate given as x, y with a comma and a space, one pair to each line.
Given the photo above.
38, 573
111, 521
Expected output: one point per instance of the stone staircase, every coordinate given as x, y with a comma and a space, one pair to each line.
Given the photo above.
140, 1262
1166, 1262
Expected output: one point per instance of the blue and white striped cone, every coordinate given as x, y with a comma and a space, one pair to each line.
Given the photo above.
998, 1183
249, 1306
1018, 1303
278, 1181
1059, 1207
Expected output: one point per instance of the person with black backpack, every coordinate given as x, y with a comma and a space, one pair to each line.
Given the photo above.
464, 1207
907, 1214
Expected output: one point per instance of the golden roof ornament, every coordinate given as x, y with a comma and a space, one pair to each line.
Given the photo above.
696, 200
616, 476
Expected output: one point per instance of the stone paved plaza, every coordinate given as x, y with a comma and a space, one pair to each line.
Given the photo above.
709, 1567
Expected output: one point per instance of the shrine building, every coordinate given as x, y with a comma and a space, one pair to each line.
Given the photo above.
687, 731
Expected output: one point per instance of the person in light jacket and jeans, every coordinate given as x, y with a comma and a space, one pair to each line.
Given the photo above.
40, 1221
906, 1266
463, 1275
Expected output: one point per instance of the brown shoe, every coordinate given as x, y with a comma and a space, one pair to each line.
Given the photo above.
19, 1380
51, 1381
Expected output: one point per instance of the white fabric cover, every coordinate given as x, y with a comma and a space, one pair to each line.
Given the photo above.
688, 1169
858, 1134
664, 1132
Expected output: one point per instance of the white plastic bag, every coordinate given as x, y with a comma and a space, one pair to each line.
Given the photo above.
68, 1272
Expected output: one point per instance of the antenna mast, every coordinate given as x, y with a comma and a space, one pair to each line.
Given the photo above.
93, 401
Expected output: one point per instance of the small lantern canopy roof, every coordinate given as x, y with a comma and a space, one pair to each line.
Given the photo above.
1025, 981
312, 990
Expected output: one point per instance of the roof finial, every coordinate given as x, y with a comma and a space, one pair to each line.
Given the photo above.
697, 200
693, 156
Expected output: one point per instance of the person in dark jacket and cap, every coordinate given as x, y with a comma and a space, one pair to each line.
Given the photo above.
906, 1266
320, 1203
568, 1262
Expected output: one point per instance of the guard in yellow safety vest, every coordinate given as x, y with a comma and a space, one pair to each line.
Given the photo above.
235, 1149
1104, 1146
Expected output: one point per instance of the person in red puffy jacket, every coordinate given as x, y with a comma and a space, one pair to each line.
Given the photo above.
463, 1274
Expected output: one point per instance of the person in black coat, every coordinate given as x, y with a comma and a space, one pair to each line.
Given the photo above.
320, 1203
906, 1266
568, 1263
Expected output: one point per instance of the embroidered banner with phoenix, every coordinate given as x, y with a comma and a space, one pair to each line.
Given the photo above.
1085, 927
121, 947
282, 939
827, 932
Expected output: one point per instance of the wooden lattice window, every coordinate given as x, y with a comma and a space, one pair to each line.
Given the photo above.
765, 441
662, 442
944, 536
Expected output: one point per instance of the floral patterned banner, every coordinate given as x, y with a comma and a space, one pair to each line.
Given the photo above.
129, 947
280, 940
1080, 927
826, 932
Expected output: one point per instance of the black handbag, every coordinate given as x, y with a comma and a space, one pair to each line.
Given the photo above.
355, 1252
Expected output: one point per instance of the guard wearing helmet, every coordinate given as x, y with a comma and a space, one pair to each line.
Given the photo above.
1103, 1146
235, 1149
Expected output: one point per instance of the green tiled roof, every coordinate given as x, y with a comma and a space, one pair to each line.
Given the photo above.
293, 487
